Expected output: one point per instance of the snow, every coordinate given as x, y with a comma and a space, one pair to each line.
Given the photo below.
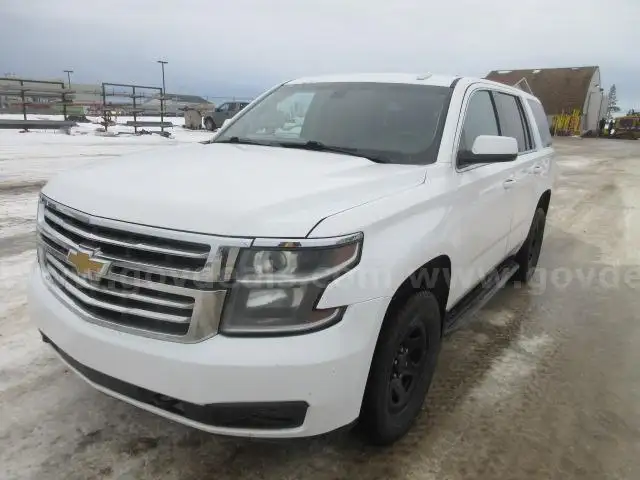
16, 214
33, 157
27, 161
34, 386
17, 338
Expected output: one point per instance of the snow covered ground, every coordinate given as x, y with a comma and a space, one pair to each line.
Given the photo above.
28, 158
27, 161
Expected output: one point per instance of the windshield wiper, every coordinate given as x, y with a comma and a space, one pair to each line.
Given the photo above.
321, 147
242, 141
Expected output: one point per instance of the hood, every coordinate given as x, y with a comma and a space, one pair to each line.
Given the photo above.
225, 189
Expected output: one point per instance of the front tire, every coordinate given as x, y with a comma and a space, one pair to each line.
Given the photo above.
402, 369
529, 254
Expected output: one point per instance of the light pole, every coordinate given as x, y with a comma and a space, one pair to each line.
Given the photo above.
64, 97
164, 92
68, 72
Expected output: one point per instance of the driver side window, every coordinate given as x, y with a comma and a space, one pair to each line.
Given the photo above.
224, 107
480, 119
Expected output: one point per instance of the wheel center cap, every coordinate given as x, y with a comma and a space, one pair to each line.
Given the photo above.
403, 360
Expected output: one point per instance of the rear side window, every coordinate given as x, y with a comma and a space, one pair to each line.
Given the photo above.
480, 120
541, 122
511, 121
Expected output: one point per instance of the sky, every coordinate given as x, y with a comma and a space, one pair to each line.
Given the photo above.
224, 48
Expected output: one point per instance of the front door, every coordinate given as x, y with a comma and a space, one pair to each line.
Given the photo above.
222, 113
483, 202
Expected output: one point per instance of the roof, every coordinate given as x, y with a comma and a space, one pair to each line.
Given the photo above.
409, 78
559, 89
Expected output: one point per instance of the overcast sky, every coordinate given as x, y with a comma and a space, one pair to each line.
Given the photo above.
240, 47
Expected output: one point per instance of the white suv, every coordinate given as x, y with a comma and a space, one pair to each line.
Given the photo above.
299, 271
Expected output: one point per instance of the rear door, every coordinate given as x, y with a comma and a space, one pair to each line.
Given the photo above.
542, 172
513, 121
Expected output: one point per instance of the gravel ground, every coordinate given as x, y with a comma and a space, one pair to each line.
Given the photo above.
543, 384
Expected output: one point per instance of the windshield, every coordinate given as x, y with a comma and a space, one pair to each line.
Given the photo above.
400, 123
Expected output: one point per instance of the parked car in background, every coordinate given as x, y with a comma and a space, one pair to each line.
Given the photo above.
215, 118
297, 272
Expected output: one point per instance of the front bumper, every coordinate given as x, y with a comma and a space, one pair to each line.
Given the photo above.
322, 373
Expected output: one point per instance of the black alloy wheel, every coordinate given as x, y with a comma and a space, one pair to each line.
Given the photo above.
407, 366
402, 368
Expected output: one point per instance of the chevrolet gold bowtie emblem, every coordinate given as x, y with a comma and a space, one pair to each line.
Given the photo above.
85, 265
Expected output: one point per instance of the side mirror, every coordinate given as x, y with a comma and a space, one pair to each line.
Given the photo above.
490, 149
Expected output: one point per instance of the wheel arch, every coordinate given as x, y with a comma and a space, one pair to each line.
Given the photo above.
434, 276
544, 201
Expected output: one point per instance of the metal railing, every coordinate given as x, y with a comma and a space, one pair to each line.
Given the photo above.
35, 93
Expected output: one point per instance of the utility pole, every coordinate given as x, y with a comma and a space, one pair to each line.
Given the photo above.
164, 92
64, 96
68, 72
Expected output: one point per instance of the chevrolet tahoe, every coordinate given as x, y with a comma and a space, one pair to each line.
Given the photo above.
298, 272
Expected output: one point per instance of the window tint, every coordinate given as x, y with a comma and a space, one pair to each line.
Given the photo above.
480, 120
541, 122
510, 119
531, 144
400, 123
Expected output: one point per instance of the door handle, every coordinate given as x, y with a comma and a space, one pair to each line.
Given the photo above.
537, 170
508, 183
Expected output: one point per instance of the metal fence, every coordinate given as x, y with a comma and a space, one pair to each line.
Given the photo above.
29, 95
134, 93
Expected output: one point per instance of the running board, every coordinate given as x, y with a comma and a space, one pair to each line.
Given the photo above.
477, 298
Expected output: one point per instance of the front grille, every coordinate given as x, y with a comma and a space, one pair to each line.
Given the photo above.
122, 245
120, 304
154, 282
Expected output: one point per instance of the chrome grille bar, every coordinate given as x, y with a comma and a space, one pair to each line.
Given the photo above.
86, 299
153, 282
67, 272
133, 281
112, 241
67, 243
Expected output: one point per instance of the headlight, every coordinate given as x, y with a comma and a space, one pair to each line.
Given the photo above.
277, 285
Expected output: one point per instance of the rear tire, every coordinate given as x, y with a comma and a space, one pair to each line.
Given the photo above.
529, 254
209, 124
402, 368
